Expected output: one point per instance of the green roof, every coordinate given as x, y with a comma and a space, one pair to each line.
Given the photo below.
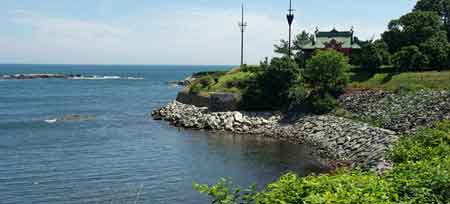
334, 33
341, 37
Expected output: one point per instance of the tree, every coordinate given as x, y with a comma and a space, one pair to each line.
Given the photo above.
383, 50
270, 89
370, 58
326, 72
441, 7
410, 58
412, 29
374, 55
299, 41
437, 50
420, 25
394, 36
282, 48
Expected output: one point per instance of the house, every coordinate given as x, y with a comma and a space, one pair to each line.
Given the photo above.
342, 41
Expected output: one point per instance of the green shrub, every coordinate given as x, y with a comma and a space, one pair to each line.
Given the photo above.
252, 68
355, 187
426, 181
326, 71
224, 192
323, 103
374, 55
425, 145
298, 94
270, 89
202, 84
410, 58
437, 49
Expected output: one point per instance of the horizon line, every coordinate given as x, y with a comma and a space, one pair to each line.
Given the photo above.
82, 64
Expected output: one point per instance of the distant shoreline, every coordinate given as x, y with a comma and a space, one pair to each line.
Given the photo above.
63, 76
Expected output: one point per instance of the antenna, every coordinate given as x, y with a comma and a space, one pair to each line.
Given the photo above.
242, 25
290, 19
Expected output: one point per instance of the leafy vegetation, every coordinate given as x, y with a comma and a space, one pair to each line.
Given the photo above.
421, 175
270, 89
281, 84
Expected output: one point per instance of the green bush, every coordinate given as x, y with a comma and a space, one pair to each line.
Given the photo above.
374, 55
323, 103
425, 181
270, 89
410, 58
425, 145
224, 192
326, 71
202, 84
298, 94
437, 49
252, 68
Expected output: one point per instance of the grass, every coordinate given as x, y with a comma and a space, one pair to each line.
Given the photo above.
411, 81
235, 81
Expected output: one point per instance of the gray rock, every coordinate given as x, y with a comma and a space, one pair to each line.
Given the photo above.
332, 137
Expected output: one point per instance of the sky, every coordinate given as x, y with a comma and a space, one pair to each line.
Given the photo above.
202, 32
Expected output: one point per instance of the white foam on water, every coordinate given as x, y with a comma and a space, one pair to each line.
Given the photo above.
51, 121
135, 78
95, 77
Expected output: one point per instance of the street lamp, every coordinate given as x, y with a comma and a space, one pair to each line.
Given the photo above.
290, 19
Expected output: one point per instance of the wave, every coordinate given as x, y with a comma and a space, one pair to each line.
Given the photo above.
104, 78
51, 120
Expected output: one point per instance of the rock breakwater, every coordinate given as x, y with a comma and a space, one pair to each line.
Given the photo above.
402, 113
334, 138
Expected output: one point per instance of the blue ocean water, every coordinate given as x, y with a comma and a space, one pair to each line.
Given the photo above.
119, 154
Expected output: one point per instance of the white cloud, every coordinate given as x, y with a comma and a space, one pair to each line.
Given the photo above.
189, 36
67, 28
184, 36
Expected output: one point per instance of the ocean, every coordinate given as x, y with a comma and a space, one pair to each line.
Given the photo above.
93, 141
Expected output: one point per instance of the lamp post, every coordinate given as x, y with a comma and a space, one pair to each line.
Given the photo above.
290, 19
242, 25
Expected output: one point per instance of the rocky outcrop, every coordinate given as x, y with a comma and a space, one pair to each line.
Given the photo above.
224, 101
334, 137
402, 113
215, 101
196, 99
32, 76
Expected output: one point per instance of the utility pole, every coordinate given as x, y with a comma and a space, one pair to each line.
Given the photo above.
242, 25
290, 19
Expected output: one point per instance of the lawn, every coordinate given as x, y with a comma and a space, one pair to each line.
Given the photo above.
235, 81
411, 81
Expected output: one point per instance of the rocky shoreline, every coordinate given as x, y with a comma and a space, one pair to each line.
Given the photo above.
333, 137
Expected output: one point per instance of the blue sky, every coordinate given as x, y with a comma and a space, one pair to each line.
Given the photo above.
171, 32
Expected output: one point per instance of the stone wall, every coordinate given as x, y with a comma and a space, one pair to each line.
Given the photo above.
214, 101
192, 98
224, 102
